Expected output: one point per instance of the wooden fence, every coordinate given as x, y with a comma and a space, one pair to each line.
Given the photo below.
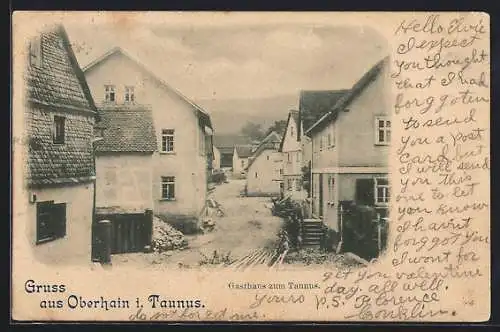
130, 232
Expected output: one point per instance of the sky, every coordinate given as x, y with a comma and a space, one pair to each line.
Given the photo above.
241, 60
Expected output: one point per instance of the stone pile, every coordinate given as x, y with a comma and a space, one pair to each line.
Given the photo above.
165, 237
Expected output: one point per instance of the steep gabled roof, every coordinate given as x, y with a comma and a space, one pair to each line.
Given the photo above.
292, 115
127, 130
59, 81
355, 91
268, 143
200, 112
314, 104
58, 84
243, 151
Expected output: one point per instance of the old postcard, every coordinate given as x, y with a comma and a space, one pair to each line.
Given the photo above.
225, 166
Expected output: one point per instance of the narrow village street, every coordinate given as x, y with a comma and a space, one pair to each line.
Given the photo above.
246, 226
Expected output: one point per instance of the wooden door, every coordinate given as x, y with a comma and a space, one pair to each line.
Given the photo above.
332, 206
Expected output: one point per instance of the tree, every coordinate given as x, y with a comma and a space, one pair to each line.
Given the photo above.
253, 130
278, 126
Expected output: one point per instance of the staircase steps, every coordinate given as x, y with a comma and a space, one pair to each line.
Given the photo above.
312, 232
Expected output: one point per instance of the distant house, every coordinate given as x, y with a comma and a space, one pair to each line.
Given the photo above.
240, 158
265, 168
183, 159
225, 144
350, 146
313, 104
59, 118
124, 159
291, 150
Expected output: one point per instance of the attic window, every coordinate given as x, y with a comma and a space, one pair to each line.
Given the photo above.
110, 94
291, 131
382, 130
58, 130
129, 94
35, 52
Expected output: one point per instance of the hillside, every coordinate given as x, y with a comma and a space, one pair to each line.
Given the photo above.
229, 115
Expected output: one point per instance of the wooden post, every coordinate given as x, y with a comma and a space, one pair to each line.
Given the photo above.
341, 230
379, 235
148, 229
104, 237
341, 223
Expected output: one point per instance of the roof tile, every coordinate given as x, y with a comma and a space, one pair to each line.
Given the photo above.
127, 130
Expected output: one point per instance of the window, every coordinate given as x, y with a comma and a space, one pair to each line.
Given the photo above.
58, 129
382, 131
202, 143
129, 94
255, 174
382, 191
267, 157
331, 138
35, 52
50, 221
168, 187
291, 131
167, 140
298, 156
281, 171
110, 95
321, 143
331, 188
290, 184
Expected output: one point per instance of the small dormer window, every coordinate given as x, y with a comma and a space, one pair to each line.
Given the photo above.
110, 94
35, 52
58, 129
129, 94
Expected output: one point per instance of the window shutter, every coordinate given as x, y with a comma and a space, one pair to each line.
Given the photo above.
44, 231
365, 192
59, 215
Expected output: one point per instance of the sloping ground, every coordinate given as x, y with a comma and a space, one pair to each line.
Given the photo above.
247, 225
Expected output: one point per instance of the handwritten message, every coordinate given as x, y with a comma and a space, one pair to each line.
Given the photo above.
441, 203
